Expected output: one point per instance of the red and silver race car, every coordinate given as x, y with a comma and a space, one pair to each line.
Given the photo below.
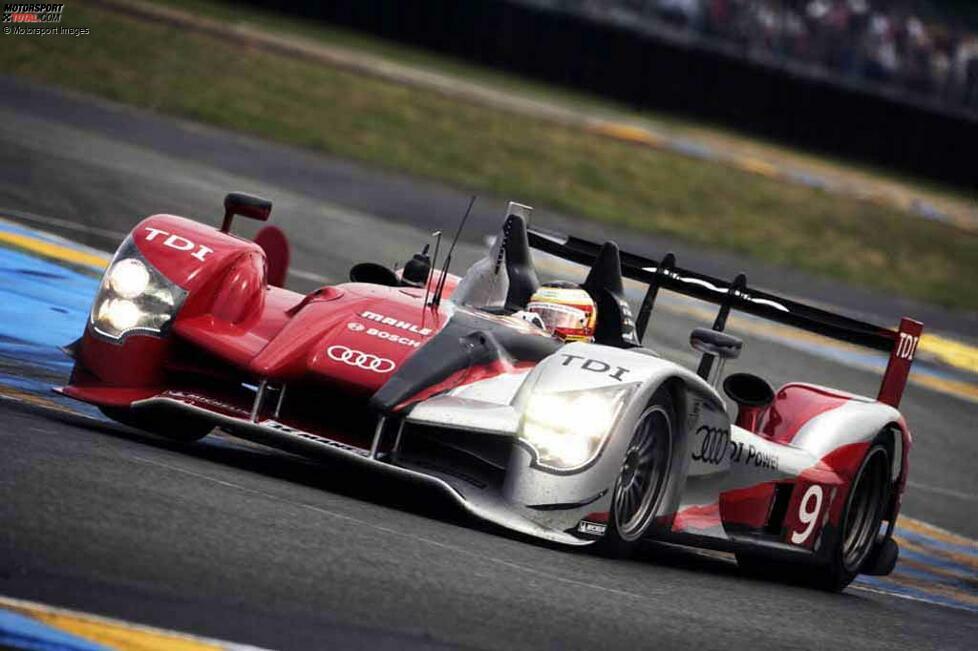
432, 377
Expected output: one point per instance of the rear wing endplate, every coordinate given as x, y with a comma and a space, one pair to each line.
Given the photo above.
900, 344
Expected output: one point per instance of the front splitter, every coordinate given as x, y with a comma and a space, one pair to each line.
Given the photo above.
482, 504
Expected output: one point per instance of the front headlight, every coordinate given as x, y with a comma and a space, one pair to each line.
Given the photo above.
567, 430
134, 296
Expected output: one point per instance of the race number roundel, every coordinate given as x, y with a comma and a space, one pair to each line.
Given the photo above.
808, 510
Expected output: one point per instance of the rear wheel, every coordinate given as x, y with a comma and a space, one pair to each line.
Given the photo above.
162, 422
861, 519
642, 479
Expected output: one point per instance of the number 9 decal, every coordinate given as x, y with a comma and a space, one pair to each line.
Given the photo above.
808, 510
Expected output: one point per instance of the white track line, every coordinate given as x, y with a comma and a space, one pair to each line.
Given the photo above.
908, 597
64, 223
947, 492
428, 541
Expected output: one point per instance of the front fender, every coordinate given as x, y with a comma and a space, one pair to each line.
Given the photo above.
561, 500
222, 275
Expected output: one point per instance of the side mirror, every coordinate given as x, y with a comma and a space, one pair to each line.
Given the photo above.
417, 269
376, 274
716, 343
713, 343
246, 205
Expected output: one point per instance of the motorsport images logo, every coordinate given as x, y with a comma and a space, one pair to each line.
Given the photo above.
37, 19
15, 12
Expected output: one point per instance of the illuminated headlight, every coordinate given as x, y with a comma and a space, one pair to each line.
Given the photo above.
134, 296
128, 278
567, 430
119, 314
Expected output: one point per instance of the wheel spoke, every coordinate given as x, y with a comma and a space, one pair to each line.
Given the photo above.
635, 500
627, 506
623, 503
647, 442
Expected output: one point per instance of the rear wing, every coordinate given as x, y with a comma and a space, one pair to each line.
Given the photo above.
900, 344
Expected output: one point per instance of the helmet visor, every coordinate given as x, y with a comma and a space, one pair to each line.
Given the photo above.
559, 317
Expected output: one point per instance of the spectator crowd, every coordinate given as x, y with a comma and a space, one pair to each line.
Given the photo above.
903, 44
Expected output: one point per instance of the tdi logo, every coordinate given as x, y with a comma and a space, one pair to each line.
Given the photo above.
713, 446
178, 243
397, 323
595, 366
750, 455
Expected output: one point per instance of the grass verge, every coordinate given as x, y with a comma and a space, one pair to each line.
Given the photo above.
424, 133
719, 135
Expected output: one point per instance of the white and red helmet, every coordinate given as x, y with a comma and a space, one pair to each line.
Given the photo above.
566, 309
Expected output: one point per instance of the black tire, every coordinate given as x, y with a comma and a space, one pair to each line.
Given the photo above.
643, 479
162, 422
857, 535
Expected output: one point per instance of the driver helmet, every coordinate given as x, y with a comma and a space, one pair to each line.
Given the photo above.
566, 309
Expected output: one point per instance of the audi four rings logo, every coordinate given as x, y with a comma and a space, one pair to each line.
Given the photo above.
359, 359
713, 447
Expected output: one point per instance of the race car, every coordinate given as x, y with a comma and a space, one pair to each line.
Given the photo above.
440, 379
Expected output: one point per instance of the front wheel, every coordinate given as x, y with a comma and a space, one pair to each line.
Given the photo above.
858, 533
162, 422
642, 479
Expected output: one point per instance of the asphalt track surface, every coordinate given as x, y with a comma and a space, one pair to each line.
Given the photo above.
235, 541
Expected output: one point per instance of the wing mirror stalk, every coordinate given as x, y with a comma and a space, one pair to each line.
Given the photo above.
246, 205
713, 343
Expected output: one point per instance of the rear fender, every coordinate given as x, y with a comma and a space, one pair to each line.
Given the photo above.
824, 421
838, 429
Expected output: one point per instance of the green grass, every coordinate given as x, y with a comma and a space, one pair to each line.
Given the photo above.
530, 160
283, 24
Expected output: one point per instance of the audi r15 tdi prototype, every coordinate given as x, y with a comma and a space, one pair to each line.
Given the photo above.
431, 377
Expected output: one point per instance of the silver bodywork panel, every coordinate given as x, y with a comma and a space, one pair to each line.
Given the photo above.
710, 455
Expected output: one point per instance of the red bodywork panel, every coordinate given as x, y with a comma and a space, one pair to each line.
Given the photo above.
901, 358
748, 507
263, 331
818, 495
794, 405
382, 321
